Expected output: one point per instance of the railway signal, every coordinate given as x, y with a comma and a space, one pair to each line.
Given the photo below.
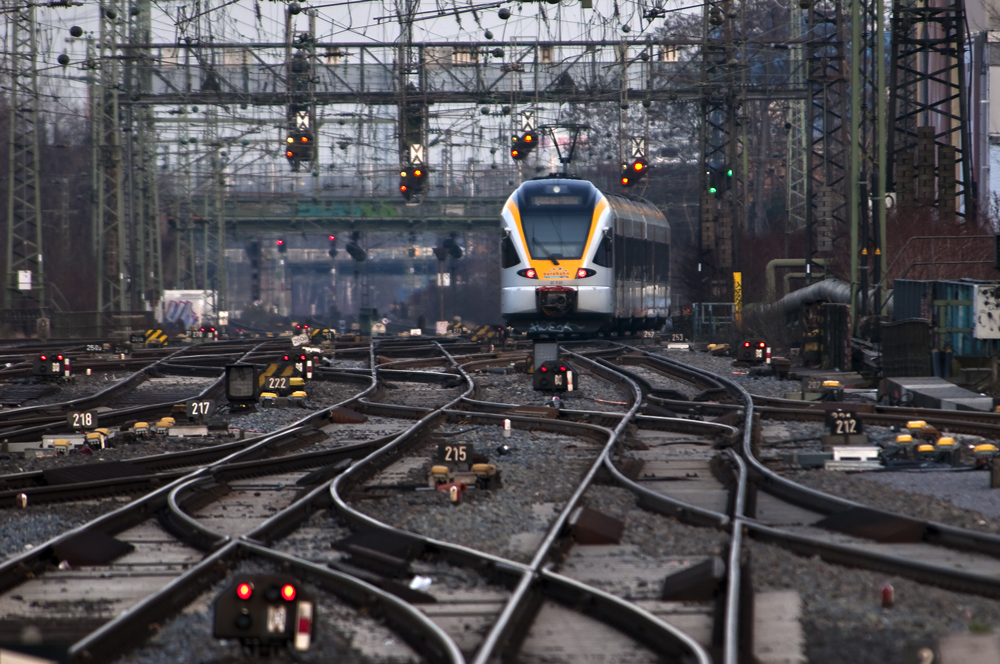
266, 610
553, 376
333, 246
634, 172
412, 180
521, 146
47, 367
419, 179
241, 386
299, 146
354, 249
754, 351
405, 184
282, 247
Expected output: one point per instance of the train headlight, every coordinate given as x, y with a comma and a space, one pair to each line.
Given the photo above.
585, 272
530, 273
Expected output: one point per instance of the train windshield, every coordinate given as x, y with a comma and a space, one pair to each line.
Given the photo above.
556, 217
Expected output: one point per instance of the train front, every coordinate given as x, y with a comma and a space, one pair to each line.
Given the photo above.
556, 259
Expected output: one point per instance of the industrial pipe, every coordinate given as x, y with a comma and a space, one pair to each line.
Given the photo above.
787, 262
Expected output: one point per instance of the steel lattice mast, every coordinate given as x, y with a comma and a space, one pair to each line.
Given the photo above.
24, 227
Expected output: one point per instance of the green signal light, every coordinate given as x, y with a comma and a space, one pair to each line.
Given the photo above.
712, 190
729, 173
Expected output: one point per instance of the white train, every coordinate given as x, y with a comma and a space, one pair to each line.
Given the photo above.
576, 261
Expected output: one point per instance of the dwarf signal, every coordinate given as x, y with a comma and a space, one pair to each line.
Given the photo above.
266, 610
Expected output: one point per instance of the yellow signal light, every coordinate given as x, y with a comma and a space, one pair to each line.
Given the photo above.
402, 174
290, 139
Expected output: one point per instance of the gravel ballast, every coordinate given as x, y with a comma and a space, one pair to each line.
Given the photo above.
538, 475
843, 619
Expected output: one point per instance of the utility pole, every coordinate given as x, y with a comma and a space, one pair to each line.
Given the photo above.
143, 192
797, 143
826, 113
24, 286
866, 182
109, 214
721, 209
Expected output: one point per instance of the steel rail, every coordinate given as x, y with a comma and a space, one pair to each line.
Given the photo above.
519, 604
140, 622
522, 603
735, 522
933, 533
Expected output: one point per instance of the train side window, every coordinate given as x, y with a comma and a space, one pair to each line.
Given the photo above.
604, 254
508, 253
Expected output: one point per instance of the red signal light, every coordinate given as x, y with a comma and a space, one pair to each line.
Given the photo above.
418, 173
624, 182
281, 242
288, 592
302, 357
289, 154
286, 358
638, 166
244, 590
514, 153
43, 357
332, 238
305, 139
59, 357
761, 344
528, 138
562, 368
402, 187
746, 344
544, 369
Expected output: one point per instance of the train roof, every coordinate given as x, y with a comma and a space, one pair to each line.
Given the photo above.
626, 207
634, 208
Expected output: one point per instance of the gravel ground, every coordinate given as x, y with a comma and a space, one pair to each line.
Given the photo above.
337, 363
944, 497
322, 394
959, 498
656, 536
81, 386
25, 528
663, 382
401, 393
121, 452
591, 392
843, 619
536, 482
341, 634
723, 366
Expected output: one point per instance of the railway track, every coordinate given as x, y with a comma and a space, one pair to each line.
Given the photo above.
505, 571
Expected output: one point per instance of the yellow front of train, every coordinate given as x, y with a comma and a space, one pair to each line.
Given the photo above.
556, 258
